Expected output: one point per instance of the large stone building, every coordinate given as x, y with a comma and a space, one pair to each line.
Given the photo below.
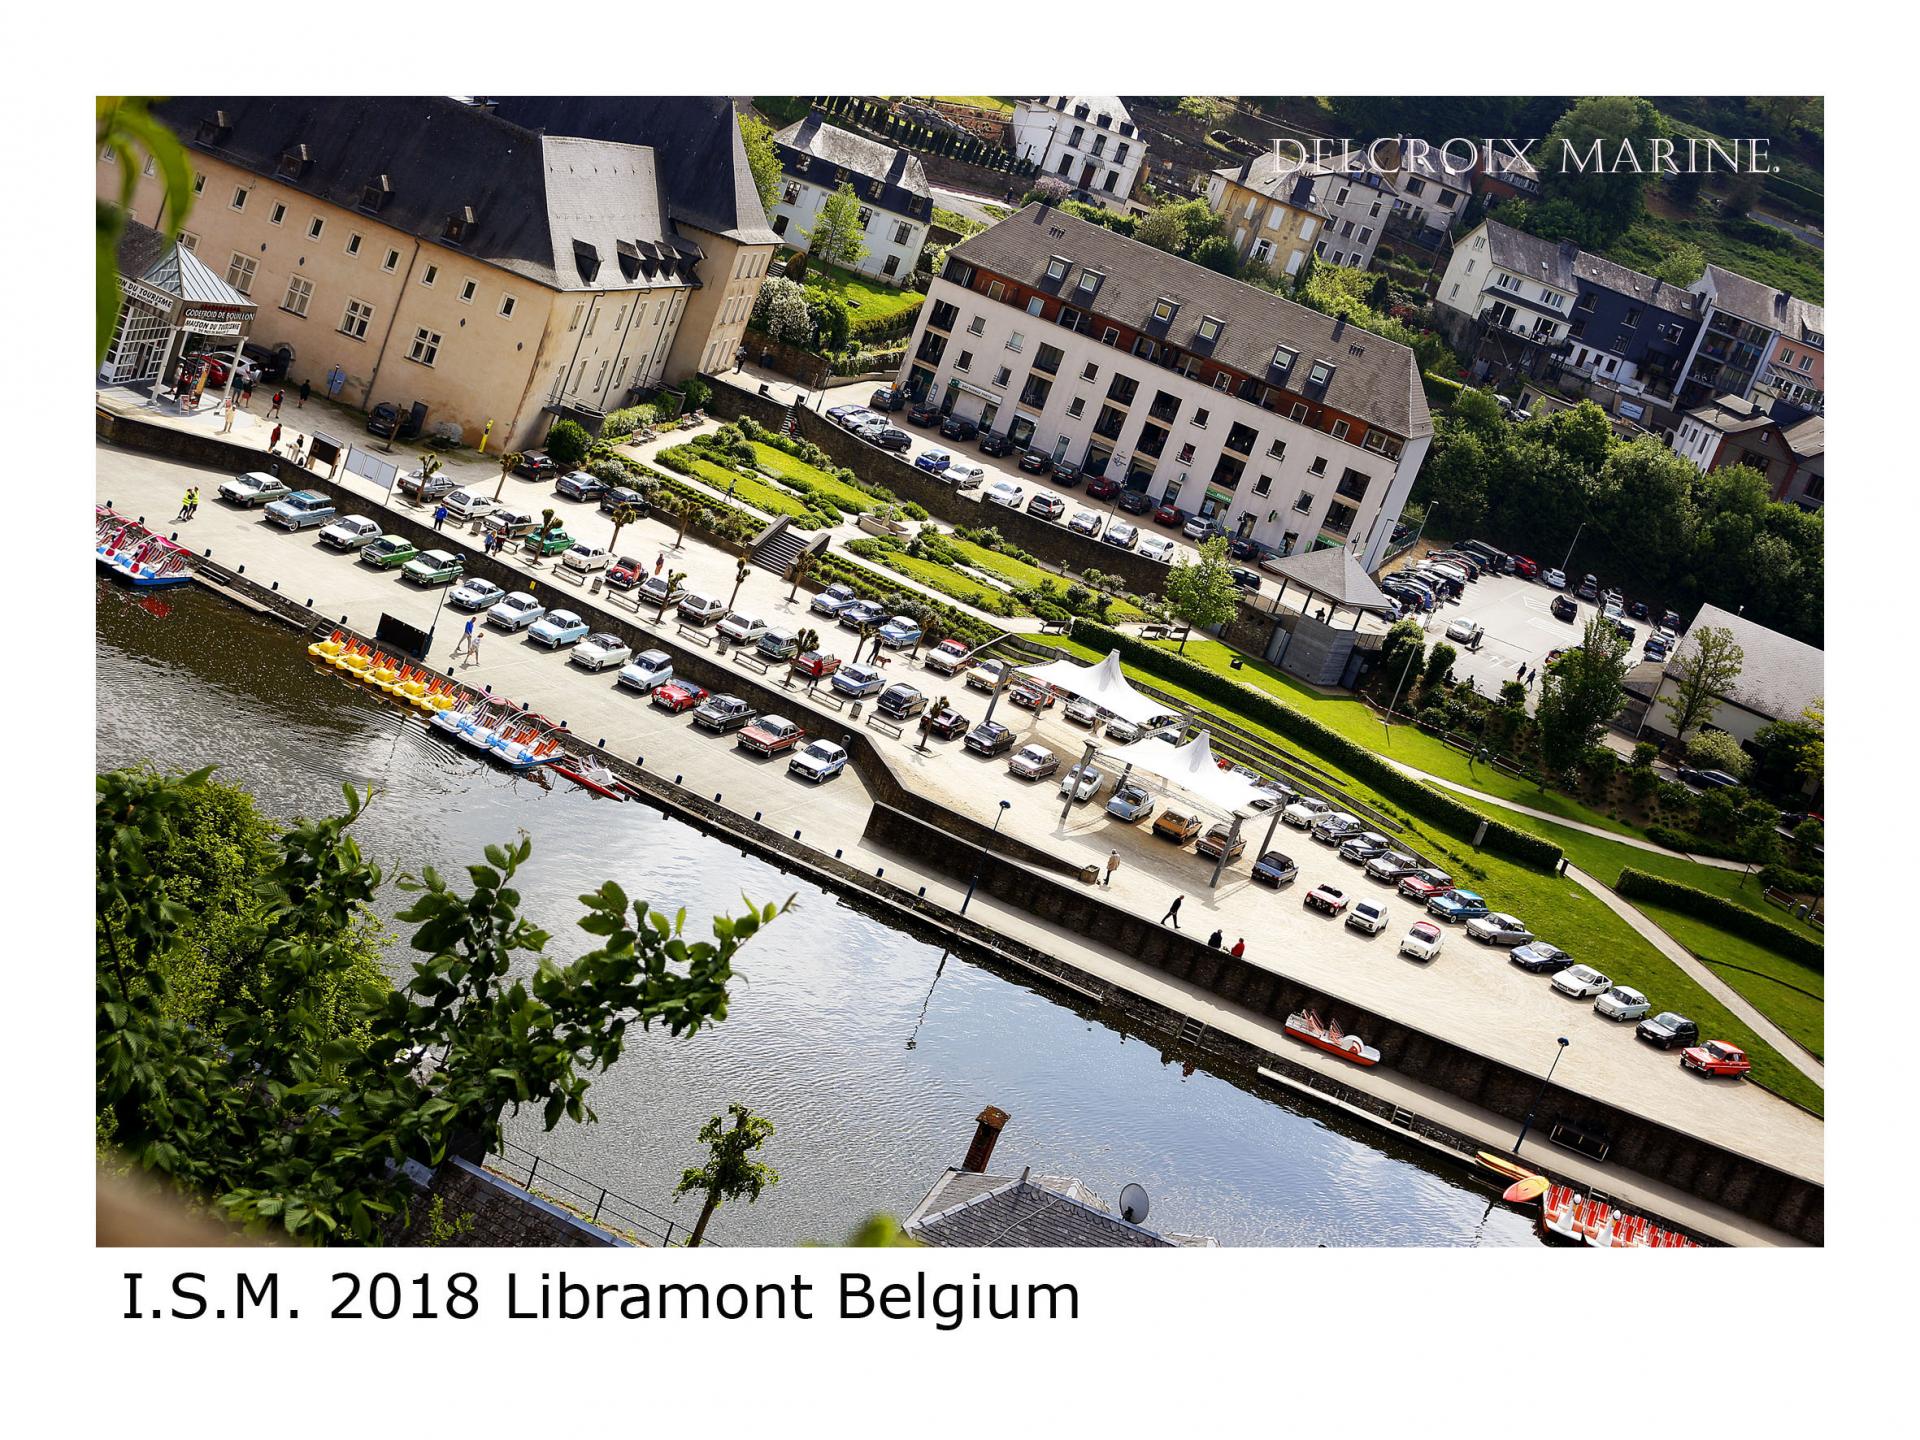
889, 185
428, 250
1289, 427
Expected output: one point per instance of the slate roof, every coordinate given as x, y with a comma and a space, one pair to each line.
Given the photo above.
1764, 305
535, 200
1097, 105
887, 175
1729, 414
1607, 275
965, 1209
695, 141
1333, 574
1808, 438
1381, 385
1551, 262
1779, 676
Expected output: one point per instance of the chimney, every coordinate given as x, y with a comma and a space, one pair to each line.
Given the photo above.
1389, 153
1339, 326
986, 1135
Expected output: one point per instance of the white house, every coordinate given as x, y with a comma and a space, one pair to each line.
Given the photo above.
1088, 141
1512, 282
896, 204
1291, 428
1779, 678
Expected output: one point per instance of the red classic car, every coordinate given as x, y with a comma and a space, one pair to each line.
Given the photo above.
1031, 697
1325, 897
1716, 1057
770, 735
1423, 885
815, 665
945, 725
625, 573
678, 695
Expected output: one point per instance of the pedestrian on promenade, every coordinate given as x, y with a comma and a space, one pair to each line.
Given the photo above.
186, 504
1214, 940
273, 441
305, 390
439, 516
659, 562
229, 410
1173, 912
1113, 864
473, 648
273, 410
246, 396
1521, 673
193, 502
1239, 947
466, 639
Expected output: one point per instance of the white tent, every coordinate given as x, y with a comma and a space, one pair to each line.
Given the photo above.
1103, 684
1193, 767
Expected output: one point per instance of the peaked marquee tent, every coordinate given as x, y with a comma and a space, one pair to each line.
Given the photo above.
1194, 768
1103, 684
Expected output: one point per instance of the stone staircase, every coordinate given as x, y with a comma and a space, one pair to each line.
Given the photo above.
778, 547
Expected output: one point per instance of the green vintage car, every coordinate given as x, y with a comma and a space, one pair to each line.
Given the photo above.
387, 552
554, 542
434, 567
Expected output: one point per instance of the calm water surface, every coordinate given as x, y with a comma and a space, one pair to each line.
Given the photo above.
869, 1049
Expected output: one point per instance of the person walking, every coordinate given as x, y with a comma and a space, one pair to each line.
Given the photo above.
193, 502
1214, 940
305, 390
229, 410
465, 643
1173, 912
273, 410
273, 441
246, 396
439, 516
1239, 947
659, 562
473, 648
1521, 673
1113, 864
186, 504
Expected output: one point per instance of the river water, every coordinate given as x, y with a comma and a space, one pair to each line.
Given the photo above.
870, 1049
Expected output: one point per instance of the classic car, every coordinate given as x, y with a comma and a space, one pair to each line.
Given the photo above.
557, 628
1537, 957
770, 735
388, 552
901, 701
833, 599
601, 651
585, 558
986, 675
1029, 696
1179, 826
676, 696
580, 485
1423, 941
1392, 866
1498, 928
1367, 915
741, 628
427, 488
989, 737
859, 613
1275, 869
658, 592
1359, 849
1582, 982
777, 645
855, 681
1083, 782
625, 573
1716, 1057
301, 509
1423, 885
699, 610
254, 488
815, 664
722, 713
1304, 811
1335, 828
946, 725
818, 760
516, 612
1668, 1030
948, 656
1622, 1003
646, 670
470, 504
509, 524
1215, 841
900, 632
1082, 711
1326, 898
473, 593
1130, 802
1458, 906
433, 567
547, 542
1033, 762
350, 532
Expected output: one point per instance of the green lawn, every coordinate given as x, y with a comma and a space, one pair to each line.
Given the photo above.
1019, 572
1770, 256
757, 493
1558, 909
831, 487
936, 576
867, 299
1000, 103
1787, 992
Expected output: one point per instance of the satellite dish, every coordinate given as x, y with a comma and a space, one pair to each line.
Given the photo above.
1133, 1203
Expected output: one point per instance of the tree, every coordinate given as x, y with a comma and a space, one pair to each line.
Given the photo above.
1742, 195
568, 443
832, 321
1217, 252
1202, 592
623, 516
1793, 752
731, 1171
757, 136
1588, 165
1717, 750
803, 565
837, 237
781, 310
1439, 661
508, 463
675, 579
1706, 668
1402, 653
740, 573
1579, 694
1682, 265
264, 1112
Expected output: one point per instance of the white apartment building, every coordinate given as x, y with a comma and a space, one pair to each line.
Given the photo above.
1513, 282
1088, 141
1291, 428
896, 204
1432, 193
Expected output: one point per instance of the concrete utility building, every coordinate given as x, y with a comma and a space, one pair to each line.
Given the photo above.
425, 249
890, 184
1779, 678
1288, 427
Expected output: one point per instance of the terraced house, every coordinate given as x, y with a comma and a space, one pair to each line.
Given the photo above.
890, 184
1287, 426
425, 250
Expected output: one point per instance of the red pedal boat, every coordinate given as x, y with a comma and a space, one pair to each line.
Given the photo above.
1328, 1036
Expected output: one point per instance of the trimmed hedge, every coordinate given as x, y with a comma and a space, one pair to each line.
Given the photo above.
1727, 914
1442, 810
873, 585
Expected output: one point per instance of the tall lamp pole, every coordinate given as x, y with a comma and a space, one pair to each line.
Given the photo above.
1005, 805
1576, 540
1527, 1123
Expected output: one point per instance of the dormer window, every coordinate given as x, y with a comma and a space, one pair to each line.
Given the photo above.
294, 162
1209, 329
1057, 267
1163, 310
1090, 280
1079, 112
1283, 359
460, 224
214, 129
376, 192
1319, 377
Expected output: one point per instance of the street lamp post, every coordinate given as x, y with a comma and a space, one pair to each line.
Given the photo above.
1005, 805
1576, 540
1527, 1123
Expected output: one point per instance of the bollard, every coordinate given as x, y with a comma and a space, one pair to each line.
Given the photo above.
756, 814
796, 834
174, 536
276, 587
640, 760
676, 779
309, 602
836, 854
141, 521
489, 689
878, 871
923, 892
241, 571
207, 554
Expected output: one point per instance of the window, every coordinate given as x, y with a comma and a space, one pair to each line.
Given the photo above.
239, 201
1222, 380
1558, 302
1090, 372
1001, 377
1263, 486
1321, 374
392, 262
600, 379
1185, 456
1016, 342
792, 194
1200, 419
1120, 153
1066, 164
1366, 234
199, 183
892, 266
354, 322
1210, 327
274, 216
468, 289
299, 295
1109, 336
1078, 407
1143, 347
189, 241
1340, 428
1163, 309
1416, 187
1057, 267
1319, 465
429, 275
240, 273
1035, 306
425, 348
147, 169
507, 302
866, 216
779, 224
902, 233
1122, 389
1240, 437
1632, 316
977, 325
579, 309
315, 227
620, 372
965, 362
996, 290
354, 239
1298, 414
1305, 502
1047, 359
1806, 364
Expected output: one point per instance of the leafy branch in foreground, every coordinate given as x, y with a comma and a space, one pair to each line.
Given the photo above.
278, 1113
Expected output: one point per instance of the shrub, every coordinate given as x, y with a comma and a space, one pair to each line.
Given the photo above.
1717, 750
622, 423
1727, 914
1779, 877
568, 443
698, 393
1440, 809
